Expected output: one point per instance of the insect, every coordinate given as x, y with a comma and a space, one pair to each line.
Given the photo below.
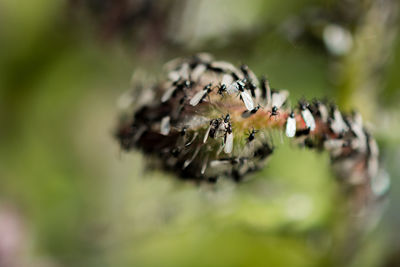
239, 87
176, 87
356, 126
291, 125
198, 71
168, 94
252, 135
249, 79
335, 146
211, 130
199, 96
200, 58
222, 89
227, 118
165, 126
302, 132
174, 76
250, 86
321, 111
181, 73
278, 98
227, 79
254, 110
228, 139
225, 67
336, 122
307, 116
247, 113
215, 126
266, 92
248, 74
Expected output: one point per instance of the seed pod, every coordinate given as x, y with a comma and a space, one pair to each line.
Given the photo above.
219, 139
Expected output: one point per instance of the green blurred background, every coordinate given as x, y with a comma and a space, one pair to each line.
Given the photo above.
69, 197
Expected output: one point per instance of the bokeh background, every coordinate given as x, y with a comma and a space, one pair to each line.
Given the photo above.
70, 197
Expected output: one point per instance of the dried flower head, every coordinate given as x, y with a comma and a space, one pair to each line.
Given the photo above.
209, 119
